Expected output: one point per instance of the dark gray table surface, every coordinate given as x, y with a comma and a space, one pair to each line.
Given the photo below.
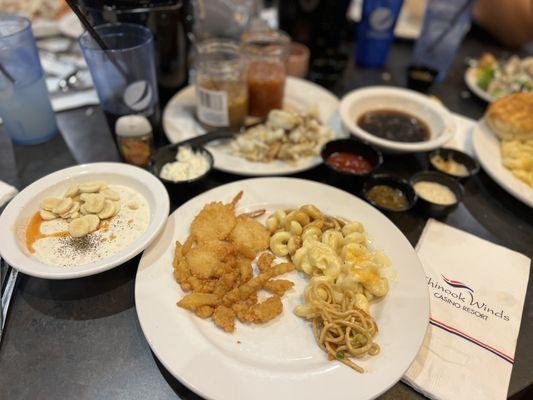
81, 338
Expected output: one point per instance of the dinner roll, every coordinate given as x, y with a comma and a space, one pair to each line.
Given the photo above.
511, 117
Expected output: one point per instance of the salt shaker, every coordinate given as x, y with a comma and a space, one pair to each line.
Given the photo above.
135, 139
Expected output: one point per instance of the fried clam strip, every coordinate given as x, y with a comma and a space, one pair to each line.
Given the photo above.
204, 311
256, 283
267, 310
265, 260
245, 268
249, 311
278, 286
224, 318
242, 308
243, 300
182, 271
282, 268
193, 301
244, 291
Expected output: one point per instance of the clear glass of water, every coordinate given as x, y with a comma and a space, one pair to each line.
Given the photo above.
124, 75
24, 103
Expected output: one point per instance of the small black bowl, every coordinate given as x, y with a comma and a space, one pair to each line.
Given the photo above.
352, 146
181, 190
420, 77
470, 163
429, 207
393, 182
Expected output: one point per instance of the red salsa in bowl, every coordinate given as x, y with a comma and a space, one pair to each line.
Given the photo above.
351, 158
349, 162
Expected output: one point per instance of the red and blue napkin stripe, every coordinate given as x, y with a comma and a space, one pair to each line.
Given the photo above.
463, 335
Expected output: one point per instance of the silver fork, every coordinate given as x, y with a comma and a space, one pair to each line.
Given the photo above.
8, 279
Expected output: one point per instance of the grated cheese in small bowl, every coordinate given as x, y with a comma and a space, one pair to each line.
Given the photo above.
188, 165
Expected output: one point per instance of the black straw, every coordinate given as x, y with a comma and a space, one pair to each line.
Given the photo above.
452, 23
7, 74
87, 25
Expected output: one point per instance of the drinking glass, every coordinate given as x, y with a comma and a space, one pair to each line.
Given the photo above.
221, 91
226, 19
24, 104
124, 74
445, 25
266, 53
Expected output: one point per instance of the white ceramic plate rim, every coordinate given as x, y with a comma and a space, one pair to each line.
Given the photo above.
226, 162
192, 358
29, 197
358, 94
471, 82
487, 148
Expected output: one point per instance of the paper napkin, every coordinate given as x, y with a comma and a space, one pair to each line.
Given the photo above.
7, 192
477, 291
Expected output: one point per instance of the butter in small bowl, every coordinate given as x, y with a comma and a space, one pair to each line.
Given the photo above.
183, 169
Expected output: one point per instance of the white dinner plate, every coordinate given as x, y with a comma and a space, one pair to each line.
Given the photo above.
280, 360
471, 82
16, 215
487, 148
180, 123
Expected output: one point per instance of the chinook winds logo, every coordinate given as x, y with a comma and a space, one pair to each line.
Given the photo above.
461, 297
456, 284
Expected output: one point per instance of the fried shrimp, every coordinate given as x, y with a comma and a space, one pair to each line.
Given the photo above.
205, 258
214, 222
250, 233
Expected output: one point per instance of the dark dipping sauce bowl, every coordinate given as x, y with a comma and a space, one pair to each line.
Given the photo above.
394, 183
420, 77
357, 148
180, 191
470, 163
435, 209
